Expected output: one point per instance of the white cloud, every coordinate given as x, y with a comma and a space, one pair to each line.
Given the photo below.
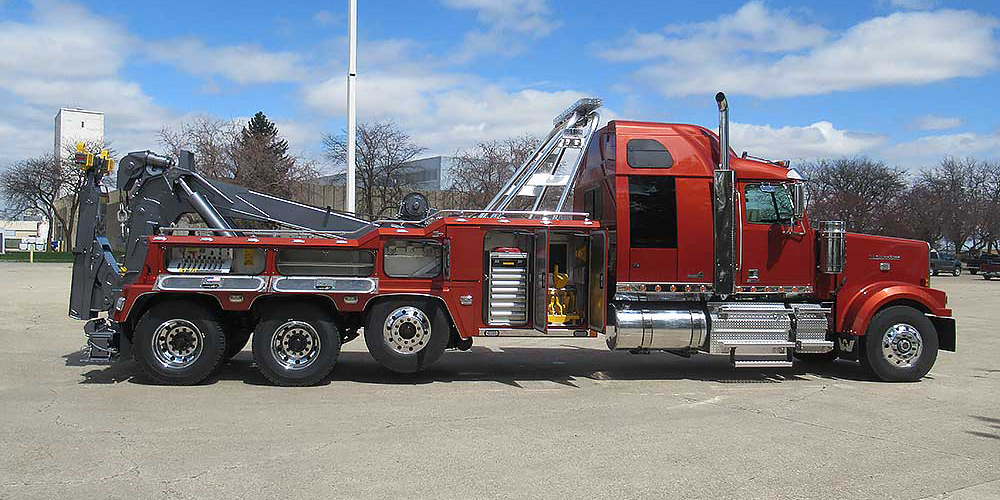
49, 62
931, 149
935, 122
508, 24
751, 27
445, 112
243, 64
903, 48
820, 139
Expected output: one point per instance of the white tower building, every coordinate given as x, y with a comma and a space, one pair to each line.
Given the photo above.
77, 125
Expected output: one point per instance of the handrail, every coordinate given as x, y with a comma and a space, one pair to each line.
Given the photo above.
479, 212
544, 214
261, 232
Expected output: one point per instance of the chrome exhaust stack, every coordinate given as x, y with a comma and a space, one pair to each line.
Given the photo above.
723, 104
724, 204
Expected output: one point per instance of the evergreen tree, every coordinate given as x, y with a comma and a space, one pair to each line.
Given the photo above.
265, 131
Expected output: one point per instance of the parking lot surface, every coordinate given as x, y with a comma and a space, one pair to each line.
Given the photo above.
510, 418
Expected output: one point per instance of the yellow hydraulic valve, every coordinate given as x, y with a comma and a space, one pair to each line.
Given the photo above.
87, 160
562, 302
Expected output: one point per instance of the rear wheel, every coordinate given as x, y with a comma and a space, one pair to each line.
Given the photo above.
957, 271
900, 345
179, 342
406, 336
934, 271
973, 271
296, 346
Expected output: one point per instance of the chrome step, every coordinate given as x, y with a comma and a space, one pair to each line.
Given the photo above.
761, 363
734, 344
814, 343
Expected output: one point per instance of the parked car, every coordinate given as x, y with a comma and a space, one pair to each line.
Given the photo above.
945, 263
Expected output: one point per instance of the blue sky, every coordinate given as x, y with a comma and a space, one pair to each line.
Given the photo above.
907, 81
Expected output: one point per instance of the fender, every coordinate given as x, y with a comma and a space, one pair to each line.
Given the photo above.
868, 300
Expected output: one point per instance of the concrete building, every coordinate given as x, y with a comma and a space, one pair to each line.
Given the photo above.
77, 125
424, 174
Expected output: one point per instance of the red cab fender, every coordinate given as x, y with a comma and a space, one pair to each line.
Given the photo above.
854, 317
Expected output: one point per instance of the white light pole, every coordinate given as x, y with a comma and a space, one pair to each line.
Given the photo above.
352, 73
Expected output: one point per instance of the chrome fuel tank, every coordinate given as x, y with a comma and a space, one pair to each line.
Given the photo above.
652, 327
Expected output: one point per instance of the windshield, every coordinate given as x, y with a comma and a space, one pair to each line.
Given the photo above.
768, 204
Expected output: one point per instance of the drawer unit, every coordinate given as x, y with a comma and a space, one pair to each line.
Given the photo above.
507, 303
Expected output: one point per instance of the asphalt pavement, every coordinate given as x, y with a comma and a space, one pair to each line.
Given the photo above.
511, 418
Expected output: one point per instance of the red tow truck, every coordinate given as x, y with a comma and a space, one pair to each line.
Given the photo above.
673, 243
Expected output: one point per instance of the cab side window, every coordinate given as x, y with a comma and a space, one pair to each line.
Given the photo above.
768, 204
648, 153
652, 211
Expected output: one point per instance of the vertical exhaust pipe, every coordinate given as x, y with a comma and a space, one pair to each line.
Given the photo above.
720, 99
724, 215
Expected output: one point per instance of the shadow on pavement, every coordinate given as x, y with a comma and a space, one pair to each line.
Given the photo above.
994, 423
562, 365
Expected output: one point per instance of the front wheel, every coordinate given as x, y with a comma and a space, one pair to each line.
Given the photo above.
297, 345
901, 345
957, 271
407, 335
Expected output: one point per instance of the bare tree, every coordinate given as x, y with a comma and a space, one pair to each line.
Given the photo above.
254, 156
479, 173
860, 191
32, 187
949, 194
382, 150
984, 205
211, 140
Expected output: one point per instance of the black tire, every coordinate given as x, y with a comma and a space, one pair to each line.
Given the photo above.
987, 277
957, 271
296, 345
882, 361
183, 355
817, 358
426, 346
973, 271
934, 271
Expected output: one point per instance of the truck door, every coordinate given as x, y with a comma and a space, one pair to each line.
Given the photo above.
652, 212
540, 281
772, 251
597, 281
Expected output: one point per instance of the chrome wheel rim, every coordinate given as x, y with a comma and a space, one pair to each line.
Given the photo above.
177, 343
295, 345
407, 330
902, 345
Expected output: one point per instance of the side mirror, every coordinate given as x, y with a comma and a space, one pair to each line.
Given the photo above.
798, 201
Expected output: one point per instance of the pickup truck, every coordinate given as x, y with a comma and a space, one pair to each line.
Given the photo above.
990, 269
941, 262
973, 264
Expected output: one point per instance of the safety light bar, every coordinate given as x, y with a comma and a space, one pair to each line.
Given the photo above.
583, 106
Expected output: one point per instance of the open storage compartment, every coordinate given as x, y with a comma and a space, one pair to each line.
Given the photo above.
540, 278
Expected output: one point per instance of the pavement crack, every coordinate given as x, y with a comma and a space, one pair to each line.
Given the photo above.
944, 494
